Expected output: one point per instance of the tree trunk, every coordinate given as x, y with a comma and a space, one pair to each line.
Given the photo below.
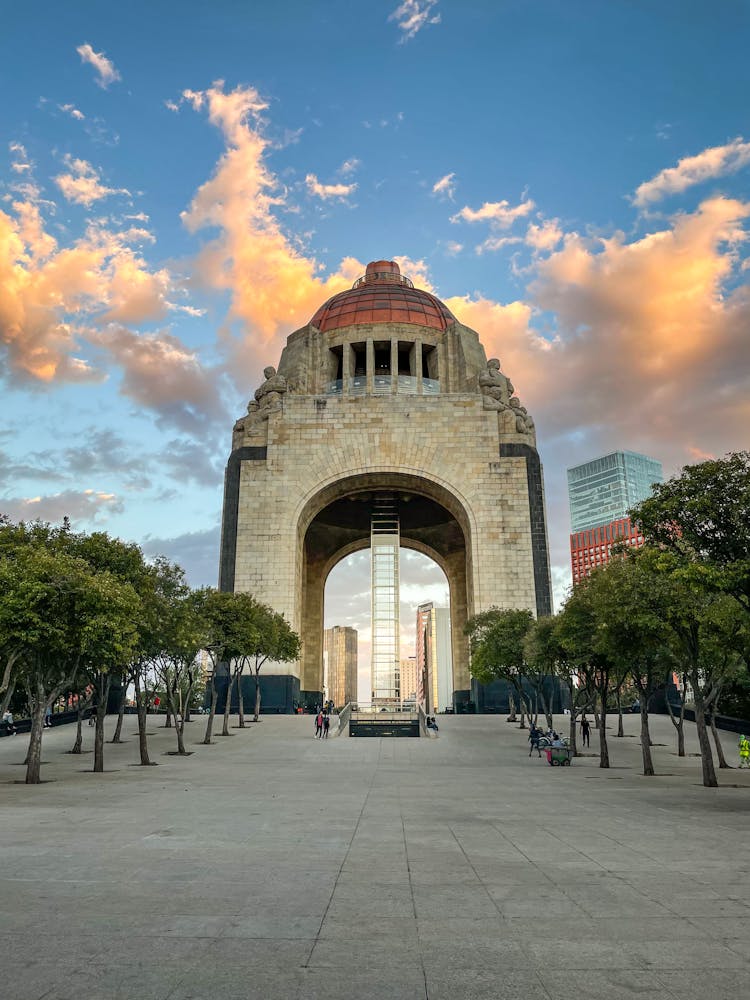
257, 697
120, 715
597, 717
212, 712
34, 755
141, 703
648, 764
572, 734
707, 759
240, 701
78, 745
620, 727
717, 742
101, 713
679, 726
545, 709
227, 706
511, 707
168, 720
603, 748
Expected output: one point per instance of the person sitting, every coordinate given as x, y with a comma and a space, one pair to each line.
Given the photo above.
8, 720
557, 741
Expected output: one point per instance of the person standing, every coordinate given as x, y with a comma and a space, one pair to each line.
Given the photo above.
48, 717
744, 748
535, 734
318, 725
326, 725
585, 732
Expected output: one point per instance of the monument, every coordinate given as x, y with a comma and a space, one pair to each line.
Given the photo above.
383, 399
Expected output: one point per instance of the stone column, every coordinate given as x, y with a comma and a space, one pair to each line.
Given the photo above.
418, 365
370, 366
346, 368
394, 364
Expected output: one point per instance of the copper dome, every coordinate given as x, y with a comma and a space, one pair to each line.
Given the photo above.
383, 295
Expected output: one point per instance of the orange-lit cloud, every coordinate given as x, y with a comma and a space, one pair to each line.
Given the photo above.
328, 191
82, 184
105, 68
498, 213
716, 161
274, 286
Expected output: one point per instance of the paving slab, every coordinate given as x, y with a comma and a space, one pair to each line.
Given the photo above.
271, 865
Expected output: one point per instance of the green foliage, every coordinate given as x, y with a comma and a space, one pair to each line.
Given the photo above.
703, 516
496, 641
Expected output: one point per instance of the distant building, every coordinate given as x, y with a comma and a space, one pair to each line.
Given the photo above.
340, 664
434, 662
409, 681
600, 494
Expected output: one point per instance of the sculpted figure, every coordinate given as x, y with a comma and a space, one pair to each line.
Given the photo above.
524, 420
495, 387
268, 396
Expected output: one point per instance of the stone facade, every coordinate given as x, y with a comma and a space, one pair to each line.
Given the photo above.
323, 439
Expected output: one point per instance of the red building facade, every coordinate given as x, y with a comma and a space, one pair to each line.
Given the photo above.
592, 547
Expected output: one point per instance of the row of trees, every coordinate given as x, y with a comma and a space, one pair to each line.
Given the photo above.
678, 607
81, 612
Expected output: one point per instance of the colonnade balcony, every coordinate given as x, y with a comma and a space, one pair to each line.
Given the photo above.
384, 385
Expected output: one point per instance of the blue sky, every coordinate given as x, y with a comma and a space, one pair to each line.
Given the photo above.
182, 185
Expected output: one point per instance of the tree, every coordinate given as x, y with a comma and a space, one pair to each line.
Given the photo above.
633, 598
221, 615
496, 643
703, 515
275, 641
582, 634
63, 617
545, 653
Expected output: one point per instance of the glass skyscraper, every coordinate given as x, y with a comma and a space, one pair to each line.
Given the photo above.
604, 489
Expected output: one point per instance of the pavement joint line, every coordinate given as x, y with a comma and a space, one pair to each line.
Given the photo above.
306, 963
414, 903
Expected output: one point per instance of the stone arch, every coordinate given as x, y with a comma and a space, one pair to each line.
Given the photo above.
332, 526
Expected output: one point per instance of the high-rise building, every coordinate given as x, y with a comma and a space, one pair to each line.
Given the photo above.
434, 663
600, 494
409, 681
340, 663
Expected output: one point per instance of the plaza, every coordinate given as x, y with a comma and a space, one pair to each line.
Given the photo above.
272, 865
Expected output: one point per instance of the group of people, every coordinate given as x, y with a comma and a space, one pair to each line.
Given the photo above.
322, 725
431, 722
536, 733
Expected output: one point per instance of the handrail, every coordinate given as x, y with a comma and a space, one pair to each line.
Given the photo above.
344, 716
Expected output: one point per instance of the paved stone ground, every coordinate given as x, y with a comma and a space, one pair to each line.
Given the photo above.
274, 866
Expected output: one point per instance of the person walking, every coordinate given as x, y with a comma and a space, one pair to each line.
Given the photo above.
585, 732
744, 748
535, 734
48, 717
318, 725
326, 725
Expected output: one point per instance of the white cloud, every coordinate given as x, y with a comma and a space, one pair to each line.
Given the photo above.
328, 191
717, 161
20, 164
72, 110
88, 506
498, 213
445, 187
82, 184
413, 15
104, 67
349, 166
